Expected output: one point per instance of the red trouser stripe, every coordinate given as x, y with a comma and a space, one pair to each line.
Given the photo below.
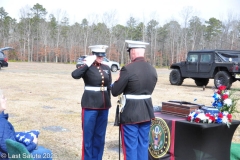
172, 141
82, 134
123, 145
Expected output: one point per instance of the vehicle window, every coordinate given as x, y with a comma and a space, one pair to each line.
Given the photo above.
205, 58
227, 56
193, 57
218, 59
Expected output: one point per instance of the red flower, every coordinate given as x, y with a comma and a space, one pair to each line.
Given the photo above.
197, 120
220, 115
229, 116
189, 118
221, 88
208, 115
212, 118
225, 96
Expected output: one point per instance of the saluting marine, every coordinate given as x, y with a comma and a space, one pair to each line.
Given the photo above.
96, 101
136, 82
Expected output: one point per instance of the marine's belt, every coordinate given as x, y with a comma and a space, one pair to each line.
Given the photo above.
131, 96
96, 88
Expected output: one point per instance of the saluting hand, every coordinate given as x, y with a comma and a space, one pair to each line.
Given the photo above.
90, 59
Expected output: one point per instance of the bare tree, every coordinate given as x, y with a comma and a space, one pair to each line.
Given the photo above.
186, 14
109, 18
59, 16
26, 24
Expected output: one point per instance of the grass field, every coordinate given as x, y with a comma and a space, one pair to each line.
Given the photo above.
44, 96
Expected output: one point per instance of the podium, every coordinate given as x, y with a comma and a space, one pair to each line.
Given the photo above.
190, 140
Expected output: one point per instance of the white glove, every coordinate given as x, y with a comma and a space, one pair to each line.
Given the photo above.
90, 59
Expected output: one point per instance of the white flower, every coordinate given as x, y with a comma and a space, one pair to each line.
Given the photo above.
226, 92
202, 116
227, 102
209, 120
224, 119
225, 113
218, 96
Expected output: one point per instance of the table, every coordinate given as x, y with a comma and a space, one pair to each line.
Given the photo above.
192, 141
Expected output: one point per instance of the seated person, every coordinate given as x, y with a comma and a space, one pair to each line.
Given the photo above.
7, 132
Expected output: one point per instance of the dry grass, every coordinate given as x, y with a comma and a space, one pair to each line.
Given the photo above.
41, 95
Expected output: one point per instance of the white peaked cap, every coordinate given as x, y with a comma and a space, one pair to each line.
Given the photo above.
98, 48
136, 44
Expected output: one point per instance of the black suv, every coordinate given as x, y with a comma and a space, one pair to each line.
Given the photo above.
221, 65
3, 58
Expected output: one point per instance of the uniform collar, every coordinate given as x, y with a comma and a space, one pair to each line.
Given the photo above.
96, 63
139, 59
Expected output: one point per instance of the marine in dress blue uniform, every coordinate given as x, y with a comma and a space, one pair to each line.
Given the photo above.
96, 101
136, 82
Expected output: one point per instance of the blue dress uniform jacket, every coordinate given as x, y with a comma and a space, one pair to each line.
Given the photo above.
136, 78
96, 75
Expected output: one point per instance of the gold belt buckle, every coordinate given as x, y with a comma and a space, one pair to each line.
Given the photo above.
102, 88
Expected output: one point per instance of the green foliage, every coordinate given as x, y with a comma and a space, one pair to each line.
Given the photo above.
224, 100
213, 28
38, 11
3, 13
233, 108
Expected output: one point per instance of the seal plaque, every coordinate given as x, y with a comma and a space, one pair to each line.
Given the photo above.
159, 138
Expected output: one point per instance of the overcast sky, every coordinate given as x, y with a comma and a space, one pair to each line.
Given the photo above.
161, 10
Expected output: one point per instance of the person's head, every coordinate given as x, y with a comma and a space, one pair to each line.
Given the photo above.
99, 51
136, 49
2, 102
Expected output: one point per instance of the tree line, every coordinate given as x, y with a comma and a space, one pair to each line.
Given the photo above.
36, 38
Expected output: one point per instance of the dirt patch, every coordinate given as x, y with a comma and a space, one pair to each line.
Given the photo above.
44, 96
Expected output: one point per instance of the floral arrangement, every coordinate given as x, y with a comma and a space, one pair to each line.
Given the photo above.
224, 100
225, 104
199, 116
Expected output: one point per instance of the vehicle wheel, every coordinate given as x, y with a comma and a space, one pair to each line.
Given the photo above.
201, 81
114, 68
223, 78
175, 77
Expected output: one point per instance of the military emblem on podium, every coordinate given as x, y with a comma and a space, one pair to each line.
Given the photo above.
159, 138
